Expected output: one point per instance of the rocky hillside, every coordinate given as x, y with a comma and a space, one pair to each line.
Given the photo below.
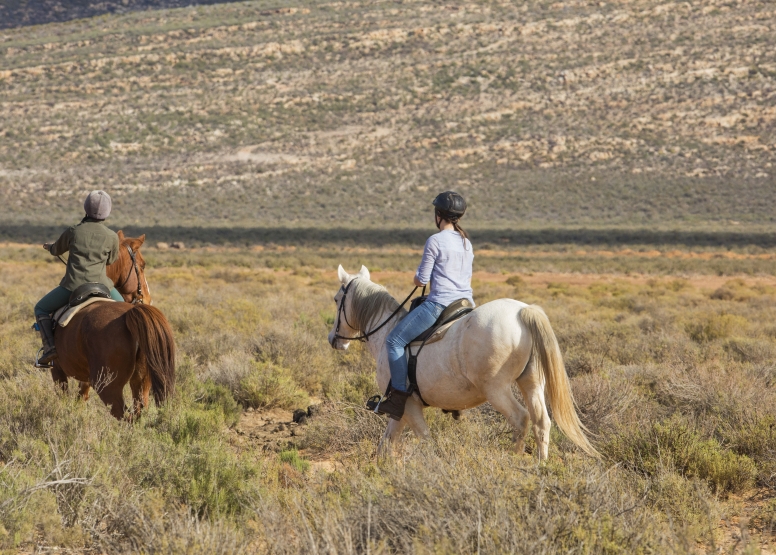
639, 113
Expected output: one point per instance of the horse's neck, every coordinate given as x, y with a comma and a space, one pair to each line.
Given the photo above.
376, 342
113, 271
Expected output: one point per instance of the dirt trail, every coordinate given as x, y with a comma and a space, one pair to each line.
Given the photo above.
274, 430
740, 524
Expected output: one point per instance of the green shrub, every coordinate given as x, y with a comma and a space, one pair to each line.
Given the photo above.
293, 458
715, 326
214, 396
673, 445
269, 386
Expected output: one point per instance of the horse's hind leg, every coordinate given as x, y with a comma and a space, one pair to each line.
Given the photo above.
85, 387
140, 384
110, 389
531, 384
503, 401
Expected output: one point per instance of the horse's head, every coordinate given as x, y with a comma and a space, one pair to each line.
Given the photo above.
342, 330
128, 272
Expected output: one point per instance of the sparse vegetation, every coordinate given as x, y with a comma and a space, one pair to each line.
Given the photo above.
632, 115
685, 423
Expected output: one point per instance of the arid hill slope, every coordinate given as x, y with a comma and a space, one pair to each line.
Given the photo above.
637, 113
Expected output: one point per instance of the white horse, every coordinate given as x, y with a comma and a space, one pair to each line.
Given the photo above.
478, 360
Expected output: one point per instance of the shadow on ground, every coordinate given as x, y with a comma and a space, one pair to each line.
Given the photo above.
312, 237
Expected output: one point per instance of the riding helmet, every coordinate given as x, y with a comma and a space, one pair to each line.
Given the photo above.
450, 205
97, 205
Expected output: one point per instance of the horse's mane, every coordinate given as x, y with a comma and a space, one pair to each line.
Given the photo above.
368, 301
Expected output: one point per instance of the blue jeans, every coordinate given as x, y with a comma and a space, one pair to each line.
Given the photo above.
59, 297
415, 323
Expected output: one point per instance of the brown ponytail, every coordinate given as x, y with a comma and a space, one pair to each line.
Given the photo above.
462, 231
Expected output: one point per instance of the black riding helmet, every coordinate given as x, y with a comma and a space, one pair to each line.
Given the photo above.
450, 206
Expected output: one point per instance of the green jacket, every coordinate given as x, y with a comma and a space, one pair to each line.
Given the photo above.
92, 246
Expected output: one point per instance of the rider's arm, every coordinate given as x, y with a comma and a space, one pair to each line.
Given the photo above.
114, 251
63, 243
430, 253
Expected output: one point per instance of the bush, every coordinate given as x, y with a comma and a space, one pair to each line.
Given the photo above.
715, 326
673, 445
292, 458
256, 384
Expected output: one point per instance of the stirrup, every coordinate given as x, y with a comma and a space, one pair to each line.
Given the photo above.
38, 364
373, 403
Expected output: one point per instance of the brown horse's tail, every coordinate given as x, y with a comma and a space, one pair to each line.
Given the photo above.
546, 353
152, 332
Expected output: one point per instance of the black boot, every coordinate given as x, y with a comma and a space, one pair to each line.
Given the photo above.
46, 327
393, 403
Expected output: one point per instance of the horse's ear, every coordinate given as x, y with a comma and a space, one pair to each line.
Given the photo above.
363, 272
139, 241
121, 234
342, 275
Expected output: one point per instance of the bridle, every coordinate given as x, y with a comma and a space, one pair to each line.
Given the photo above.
341, 314
139, 296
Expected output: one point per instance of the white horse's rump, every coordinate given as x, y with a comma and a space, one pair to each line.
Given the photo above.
478, 360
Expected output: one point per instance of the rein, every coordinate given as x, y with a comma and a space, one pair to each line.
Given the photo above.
139, 297
365, 336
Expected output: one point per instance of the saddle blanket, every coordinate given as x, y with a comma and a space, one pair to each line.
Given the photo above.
63, 316
437, 335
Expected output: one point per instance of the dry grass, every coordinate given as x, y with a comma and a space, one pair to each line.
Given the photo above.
674, 379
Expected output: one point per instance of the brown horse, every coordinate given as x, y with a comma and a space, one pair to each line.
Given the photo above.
107, 344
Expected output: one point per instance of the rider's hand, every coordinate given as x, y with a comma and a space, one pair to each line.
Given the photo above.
47, 246
418, 282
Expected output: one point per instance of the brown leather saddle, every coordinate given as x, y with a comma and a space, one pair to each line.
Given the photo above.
86, 291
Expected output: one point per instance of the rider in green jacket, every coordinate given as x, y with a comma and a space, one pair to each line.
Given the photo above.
91, 246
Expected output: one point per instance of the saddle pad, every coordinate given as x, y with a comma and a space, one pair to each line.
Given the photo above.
63, 316
437, 335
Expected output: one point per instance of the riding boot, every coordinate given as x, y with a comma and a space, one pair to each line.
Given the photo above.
46, 327
393, 403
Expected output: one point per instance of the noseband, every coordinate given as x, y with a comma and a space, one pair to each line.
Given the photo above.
139, 295
341, 314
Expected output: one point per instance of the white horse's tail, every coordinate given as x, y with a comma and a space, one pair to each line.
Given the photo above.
546, 352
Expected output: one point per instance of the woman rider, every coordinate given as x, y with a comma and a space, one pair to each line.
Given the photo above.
91, 246
447, 265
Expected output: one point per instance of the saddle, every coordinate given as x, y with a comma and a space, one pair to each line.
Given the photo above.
87, 290
83, 296
459, 308
449, 316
